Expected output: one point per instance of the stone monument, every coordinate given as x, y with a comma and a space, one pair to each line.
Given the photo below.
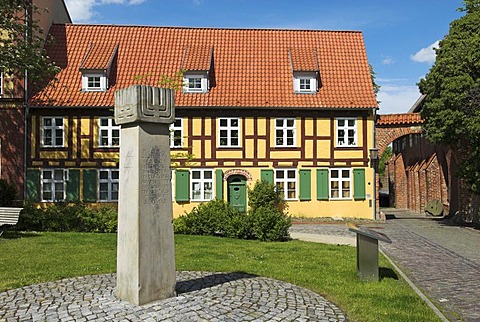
145, 254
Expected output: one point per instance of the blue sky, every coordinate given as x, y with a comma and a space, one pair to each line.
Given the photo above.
398, 35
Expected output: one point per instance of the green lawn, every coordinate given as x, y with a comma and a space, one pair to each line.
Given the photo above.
326, 269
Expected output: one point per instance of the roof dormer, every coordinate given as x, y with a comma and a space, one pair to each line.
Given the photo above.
197, 64
96, 67
305, 71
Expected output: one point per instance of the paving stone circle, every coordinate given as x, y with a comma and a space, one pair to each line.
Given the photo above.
201, 296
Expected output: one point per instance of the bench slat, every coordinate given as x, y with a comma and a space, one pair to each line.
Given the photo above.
9, 215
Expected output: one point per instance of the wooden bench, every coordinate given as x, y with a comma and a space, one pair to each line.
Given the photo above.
9, 216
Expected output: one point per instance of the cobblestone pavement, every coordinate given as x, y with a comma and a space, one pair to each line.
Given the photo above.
441, 259
201, 296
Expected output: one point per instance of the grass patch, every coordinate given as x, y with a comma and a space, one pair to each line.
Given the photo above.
326, 269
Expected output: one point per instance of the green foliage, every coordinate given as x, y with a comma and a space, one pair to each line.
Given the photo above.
67, 217
266, 220
451, 110
23, 42
373, 76
208, 218
270, 224
8, 193
265, 194
385, 156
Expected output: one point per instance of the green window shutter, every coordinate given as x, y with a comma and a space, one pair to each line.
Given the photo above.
33, 185
73, 185
219, 184
322, 184
305, 185
358, 184
182, 185
90, 185
266, 175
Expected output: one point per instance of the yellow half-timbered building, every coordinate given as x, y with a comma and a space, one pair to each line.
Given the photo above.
293, 107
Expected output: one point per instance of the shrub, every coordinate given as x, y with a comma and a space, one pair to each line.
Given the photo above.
267, 219
209, 218
62, 216
270, 224
265, 194
8, 193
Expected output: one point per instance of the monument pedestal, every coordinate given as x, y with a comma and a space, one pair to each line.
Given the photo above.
145, 254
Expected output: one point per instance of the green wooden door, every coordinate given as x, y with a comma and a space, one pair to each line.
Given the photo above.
237, 192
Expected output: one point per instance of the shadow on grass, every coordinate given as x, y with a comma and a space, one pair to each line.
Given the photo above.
385, 272
13, 234
208, 281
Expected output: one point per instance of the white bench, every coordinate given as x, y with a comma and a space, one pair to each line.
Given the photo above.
9, 216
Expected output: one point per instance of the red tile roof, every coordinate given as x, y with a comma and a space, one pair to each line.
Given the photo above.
252, 67
98, 56
399, 119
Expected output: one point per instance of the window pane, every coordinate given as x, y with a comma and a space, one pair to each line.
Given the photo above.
59, 195
114, 195
279, 174
291, 185
59, 186
234, 122
334, 193
223, 133
178, 123
346, 173
223, 122
58, 175
103, 174
341, 123
47, 174
334, 173
196, 175
234, 141
351, 122
59, 121
208, 174
234, 133
290, 123
47, 187
334, 185
345, 194
104, 122
103, 186
345, 185
291, 174
47, 195
115, 174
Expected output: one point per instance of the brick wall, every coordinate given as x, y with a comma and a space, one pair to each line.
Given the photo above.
12, 145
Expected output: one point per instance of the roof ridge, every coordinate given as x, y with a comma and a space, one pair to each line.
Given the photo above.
207, 28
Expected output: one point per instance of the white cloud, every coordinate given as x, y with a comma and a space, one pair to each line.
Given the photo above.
395, 96
388, 61
83, 10
426, 55
80, 10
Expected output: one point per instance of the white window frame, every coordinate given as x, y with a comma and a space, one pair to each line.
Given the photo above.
286, 180
54, 183
1, 84
343, 140
198, 191
53, 128
111, 128
308, 79
285, 128
191, 80
229, 130
102, 84
174, 129
110, 182
340, 187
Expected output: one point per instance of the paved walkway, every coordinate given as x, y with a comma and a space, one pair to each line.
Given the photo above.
442, 260
201, 297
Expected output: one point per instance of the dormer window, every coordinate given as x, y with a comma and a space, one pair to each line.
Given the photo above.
94, 82
96, 67
304, 82
195, 83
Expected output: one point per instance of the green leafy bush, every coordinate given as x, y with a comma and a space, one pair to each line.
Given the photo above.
209, 218
267, 219
265, 194
62, 216
270, 224
8, 193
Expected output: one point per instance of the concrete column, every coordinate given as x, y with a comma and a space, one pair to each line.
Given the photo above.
145, 254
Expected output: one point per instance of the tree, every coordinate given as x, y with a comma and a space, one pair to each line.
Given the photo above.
22, 42
451, 110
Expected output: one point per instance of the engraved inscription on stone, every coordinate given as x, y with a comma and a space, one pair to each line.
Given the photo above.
155, 170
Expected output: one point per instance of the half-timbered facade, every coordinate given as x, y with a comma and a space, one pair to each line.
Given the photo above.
293, 107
